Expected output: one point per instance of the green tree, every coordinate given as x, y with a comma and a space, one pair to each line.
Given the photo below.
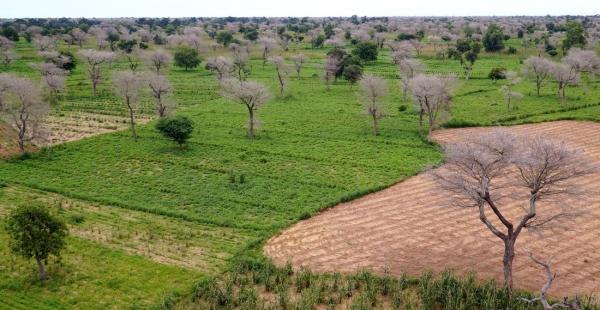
35, 233
353, 74
224, 37
187, 58
493, 40
179, 128
365, 51
575, 36
10, 33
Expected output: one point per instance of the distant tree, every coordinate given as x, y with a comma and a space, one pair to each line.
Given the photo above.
241, 59
10, 32
466, 52
432, 95
127, 86
79, 36
225, 38
22, 107
158, 59
365, 51
493, 40
267, 45
538, 69
299, 61
331, 66
7, 57
564, 75
409, 68
583, 60
223, 66
159, 89
53, 78
372, 91
94, 60
251, 94
179, 128
186, 58
35, 233
575, 35
353, 73
497, 73
512, 79
112, 37
535, 167
282, 70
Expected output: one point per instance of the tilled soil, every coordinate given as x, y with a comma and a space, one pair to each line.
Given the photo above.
413, 226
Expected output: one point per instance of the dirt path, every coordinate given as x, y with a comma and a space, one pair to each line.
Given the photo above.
411, 227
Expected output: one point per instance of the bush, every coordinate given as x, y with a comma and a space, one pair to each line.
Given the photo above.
179, 128
498, 73
365, 51
187, 58
353, 73
493, 40
512, 50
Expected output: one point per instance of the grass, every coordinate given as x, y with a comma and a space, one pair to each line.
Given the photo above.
162, 218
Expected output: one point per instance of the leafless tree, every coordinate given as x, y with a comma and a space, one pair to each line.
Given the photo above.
409, 68
127, 86
282, 70
331, 67
512, 79
158, 59
417, 46
564, 75
94, 60
299, 61
267, 45
160, 88
538, 69
432, 95
583, 60
543, 298
44, 43
22, 107
240, 61
53, 78
251, 94
223, 66
7, 57
373, 91
80, 36
484, 170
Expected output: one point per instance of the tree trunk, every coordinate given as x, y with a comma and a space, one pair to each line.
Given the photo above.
94, 84
509, 256
375, 127
41, 269
250, 123
538, 85
131, 121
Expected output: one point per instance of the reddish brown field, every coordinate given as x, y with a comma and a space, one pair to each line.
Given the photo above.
413, 226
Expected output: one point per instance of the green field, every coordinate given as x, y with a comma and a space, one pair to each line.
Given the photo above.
150, 220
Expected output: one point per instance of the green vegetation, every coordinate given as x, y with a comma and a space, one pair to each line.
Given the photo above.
179, 128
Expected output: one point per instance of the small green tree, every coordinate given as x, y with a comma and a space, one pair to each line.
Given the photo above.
493, 40
225, 38
187, 58
497, 73
179, 128
365, 51
35, 233
353, 73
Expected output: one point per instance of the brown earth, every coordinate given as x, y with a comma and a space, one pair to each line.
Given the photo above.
413, 226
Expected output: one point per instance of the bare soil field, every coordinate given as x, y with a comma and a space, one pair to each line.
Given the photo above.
413, 226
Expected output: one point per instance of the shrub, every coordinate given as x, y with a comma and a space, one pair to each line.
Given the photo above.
365, 51
179, 128
498, 73
512, 50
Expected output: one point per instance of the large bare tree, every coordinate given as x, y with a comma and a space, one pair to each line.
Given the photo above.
432, 95
22, 107
53, 79
127, 86
564, 75
373, 90
538, 69
223, 66
158, 60
490, 171
94, 60
251, 94
159, 89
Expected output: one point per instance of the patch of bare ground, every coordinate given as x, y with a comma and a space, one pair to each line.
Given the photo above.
161, 239
412, 227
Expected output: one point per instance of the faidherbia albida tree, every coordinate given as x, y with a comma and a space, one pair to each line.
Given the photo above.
282, 70
267, 45
299, 61
159, 89
409, 68
512, 79
373, 90
538, 69
482, 170
432, 95
331, 67
94, 60
53, 79
127, 86
22, 107
158, 60
564, 75
251, 94
223, 66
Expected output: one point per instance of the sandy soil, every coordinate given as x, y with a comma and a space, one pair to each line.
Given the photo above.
412, 226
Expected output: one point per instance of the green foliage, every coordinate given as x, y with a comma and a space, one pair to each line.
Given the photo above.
187, 58
225, 38
69, 64
179, 128
353, 73
575, 35
498, 73
365, 51
35, 233
10, 33
493, 40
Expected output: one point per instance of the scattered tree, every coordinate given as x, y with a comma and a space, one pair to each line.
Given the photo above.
158, 59
223, 66
299, 61
94, 60
35, 233
179, 128
127, 86
538, 69
373, 90
251, 94
409, 68
493, 40
282, 72
267, 45
564, 75
512, 79
352, 74
432, 95
365, 51
159, 89
331, 67
187, 58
